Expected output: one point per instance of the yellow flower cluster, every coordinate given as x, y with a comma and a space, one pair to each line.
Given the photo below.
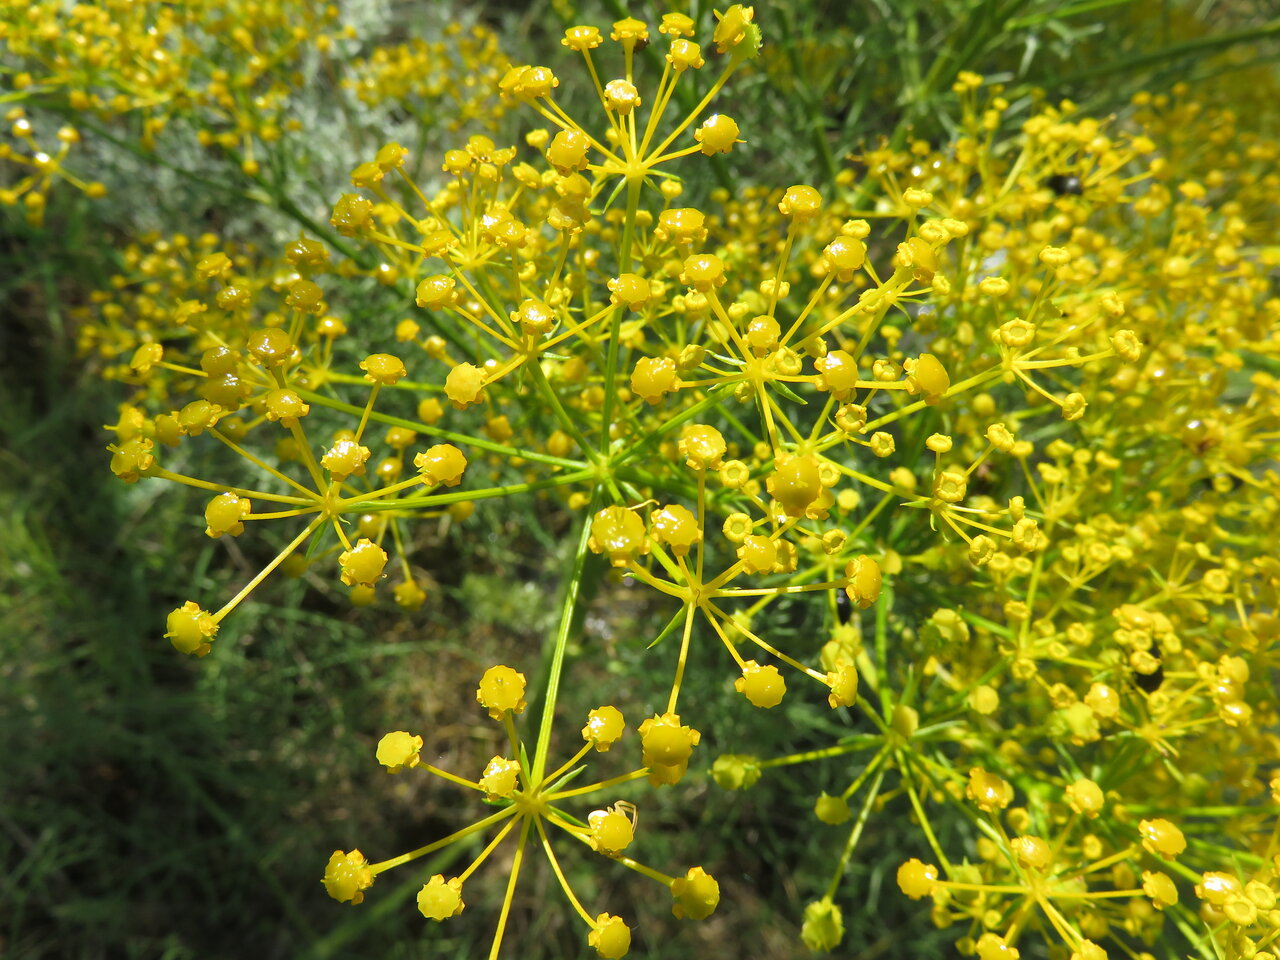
230, 64
1010, 407
532, 807
453, 79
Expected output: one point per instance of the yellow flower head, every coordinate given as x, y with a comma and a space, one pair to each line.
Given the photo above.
347, 876
605, 726
399, 750
610, 937
501, 690
696, 895
439, 899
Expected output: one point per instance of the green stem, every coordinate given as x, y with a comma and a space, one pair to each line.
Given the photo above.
487, 493
615, 321
480, 443
549, 394
920, 814
855, 834
882, 651
567, 609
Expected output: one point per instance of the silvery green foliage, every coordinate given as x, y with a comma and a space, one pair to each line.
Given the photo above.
182, 182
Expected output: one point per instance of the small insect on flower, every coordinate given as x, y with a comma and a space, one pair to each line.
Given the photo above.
844, 606
1151, 682
1065, 183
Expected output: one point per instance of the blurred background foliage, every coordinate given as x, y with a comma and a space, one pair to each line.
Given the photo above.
152, 806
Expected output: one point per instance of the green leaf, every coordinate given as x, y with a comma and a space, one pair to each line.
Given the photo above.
790, 394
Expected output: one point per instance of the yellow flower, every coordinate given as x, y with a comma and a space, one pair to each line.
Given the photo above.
763, 686
696, 895
582, 38
610, 937
605, 726
399, 750
347, 876
440, 899
501, 690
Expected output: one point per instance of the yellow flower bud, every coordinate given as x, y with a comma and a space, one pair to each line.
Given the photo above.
347, 876
441, 464
717, 134
500, 778
611, 830
696, 895
399, 750
605, 726
501, 689
191, 629
440, 899
917, 879
225, 515
610, 937
763, 686
619, 533
363, 563
988, 791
